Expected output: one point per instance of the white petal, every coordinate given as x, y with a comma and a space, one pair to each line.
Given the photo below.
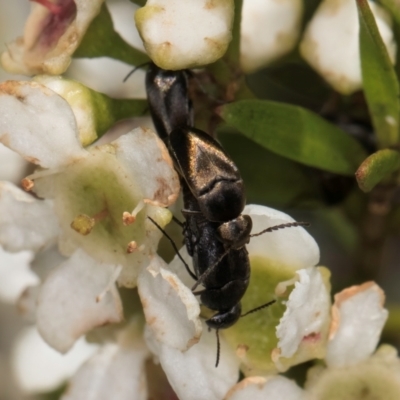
269, 29
146, 158
357, 322
269, 388
377, 377
38, 368
27, 303
99, 191
25, 222
180, 34
46, 261
15, 274
192, 374
12, 165
78, 296
331, 42
170, 308
178, 268
38, 124
42, 265
83, 105
49, 39
116, 372
292, 247
306, 318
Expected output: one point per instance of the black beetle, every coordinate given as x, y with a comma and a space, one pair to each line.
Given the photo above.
215, 231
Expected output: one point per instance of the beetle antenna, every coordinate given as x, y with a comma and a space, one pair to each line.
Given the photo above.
134, 70
282, 226
176, 220
175, 248
258, 308
218, 348
210, 269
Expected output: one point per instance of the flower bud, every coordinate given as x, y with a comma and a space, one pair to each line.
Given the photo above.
185, 34
331, 42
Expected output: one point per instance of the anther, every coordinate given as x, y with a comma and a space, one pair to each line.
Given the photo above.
27, 184
130, 218
83, 224
132, 246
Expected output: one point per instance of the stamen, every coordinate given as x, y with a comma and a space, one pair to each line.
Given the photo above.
27, 184
281, 287
132, 246
130, 218
44, 172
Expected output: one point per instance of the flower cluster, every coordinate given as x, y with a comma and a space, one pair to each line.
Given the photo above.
82, 233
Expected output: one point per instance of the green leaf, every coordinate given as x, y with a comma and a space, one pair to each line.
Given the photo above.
393, 7
269, 178
380, 83
101, 40
295, 133
377, 167
290, 82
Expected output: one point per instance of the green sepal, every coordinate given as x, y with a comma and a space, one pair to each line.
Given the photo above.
109, 110
376, 168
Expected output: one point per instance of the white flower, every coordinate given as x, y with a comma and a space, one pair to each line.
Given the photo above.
171, 310
331, 42
25, 222
12, 166
358, 317
174, 325
38, 368
90, 108
273, 256
265, 388
269, 30
106, 194
303, 329
52, 33
15, 274
116, 371
105, 183
179, 34
192, 374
